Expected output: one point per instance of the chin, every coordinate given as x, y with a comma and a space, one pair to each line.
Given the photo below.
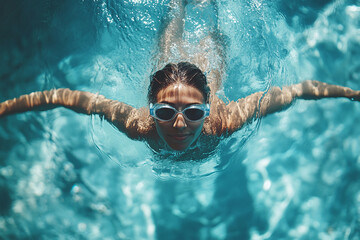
179, 147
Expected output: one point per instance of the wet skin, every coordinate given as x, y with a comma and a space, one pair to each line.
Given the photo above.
179, 133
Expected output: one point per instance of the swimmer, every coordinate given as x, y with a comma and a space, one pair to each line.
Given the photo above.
184, 113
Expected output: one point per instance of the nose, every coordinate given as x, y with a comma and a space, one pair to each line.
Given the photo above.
179, 121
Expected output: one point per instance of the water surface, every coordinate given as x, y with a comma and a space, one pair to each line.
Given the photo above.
292, 175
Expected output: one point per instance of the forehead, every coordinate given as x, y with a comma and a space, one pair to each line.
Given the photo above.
180, 94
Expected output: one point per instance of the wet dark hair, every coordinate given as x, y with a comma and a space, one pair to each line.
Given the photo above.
182, 72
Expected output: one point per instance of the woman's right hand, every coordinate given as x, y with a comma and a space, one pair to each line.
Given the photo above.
2, 109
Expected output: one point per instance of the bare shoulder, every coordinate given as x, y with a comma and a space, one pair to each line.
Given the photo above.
216, 123
225, 119
140, 125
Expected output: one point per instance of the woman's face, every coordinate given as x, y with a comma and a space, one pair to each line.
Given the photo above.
179, 133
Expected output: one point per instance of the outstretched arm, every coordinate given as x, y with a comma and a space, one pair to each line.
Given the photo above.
276, 99
127, 119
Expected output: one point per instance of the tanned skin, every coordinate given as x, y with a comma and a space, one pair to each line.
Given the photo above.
224, 119
136, 123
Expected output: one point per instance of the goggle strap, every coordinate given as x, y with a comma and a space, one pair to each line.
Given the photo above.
207, 110
152, 110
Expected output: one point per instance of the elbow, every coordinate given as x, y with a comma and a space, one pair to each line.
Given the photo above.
275, 100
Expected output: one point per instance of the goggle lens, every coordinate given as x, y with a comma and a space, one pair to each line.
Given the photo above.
165, 114
194, 114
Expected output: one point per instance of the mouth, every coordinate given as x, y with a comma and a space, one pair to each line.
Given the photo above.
180, 137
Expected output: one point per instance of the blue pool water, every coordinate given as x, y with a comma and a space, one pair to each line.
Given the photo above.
292, 175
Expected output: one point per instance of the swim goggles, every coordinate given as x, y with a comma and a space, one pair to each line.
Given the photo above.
165, 112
